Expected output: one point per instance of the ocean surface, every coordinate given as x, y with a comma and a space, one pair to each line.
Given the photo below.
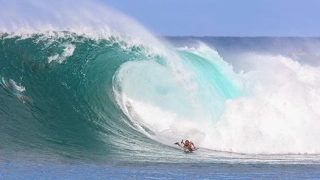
97, 96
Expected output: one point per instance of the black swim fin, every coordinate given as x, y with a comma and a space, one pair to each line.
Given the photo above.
176, 143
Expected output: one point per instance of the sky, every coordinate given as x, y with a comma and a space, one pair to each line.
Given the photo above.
224, 17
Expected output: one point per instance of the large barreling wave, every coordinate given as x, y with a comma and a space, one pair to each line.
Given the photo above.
90, 82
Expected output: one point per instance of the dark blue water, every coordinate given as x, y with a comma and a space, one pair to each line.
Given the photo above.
20, 170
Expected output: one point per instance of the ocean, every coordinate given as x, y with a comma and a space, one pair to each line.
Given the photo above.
97, 96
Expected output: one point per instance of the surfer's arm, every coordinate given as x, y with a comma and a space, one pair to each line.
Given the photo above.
194, 147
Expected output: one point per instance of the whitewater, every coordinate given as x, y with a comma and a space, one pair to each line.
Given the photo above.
89, 89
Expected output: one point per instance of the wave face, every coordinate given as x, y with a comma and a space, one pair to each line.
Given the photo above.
108, 94
72, 93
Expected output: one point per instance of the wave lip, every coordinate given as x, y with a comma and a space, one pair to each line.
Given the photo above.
92, 19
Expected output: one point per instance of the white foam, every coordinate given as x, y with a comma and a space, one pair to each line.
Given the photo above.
281, 114
67, 52
277, 114
53, 58
165, 126
16, 87
157, 103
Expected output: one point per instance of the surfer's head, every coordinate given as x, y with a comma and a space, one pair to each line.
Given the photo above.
186, 142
